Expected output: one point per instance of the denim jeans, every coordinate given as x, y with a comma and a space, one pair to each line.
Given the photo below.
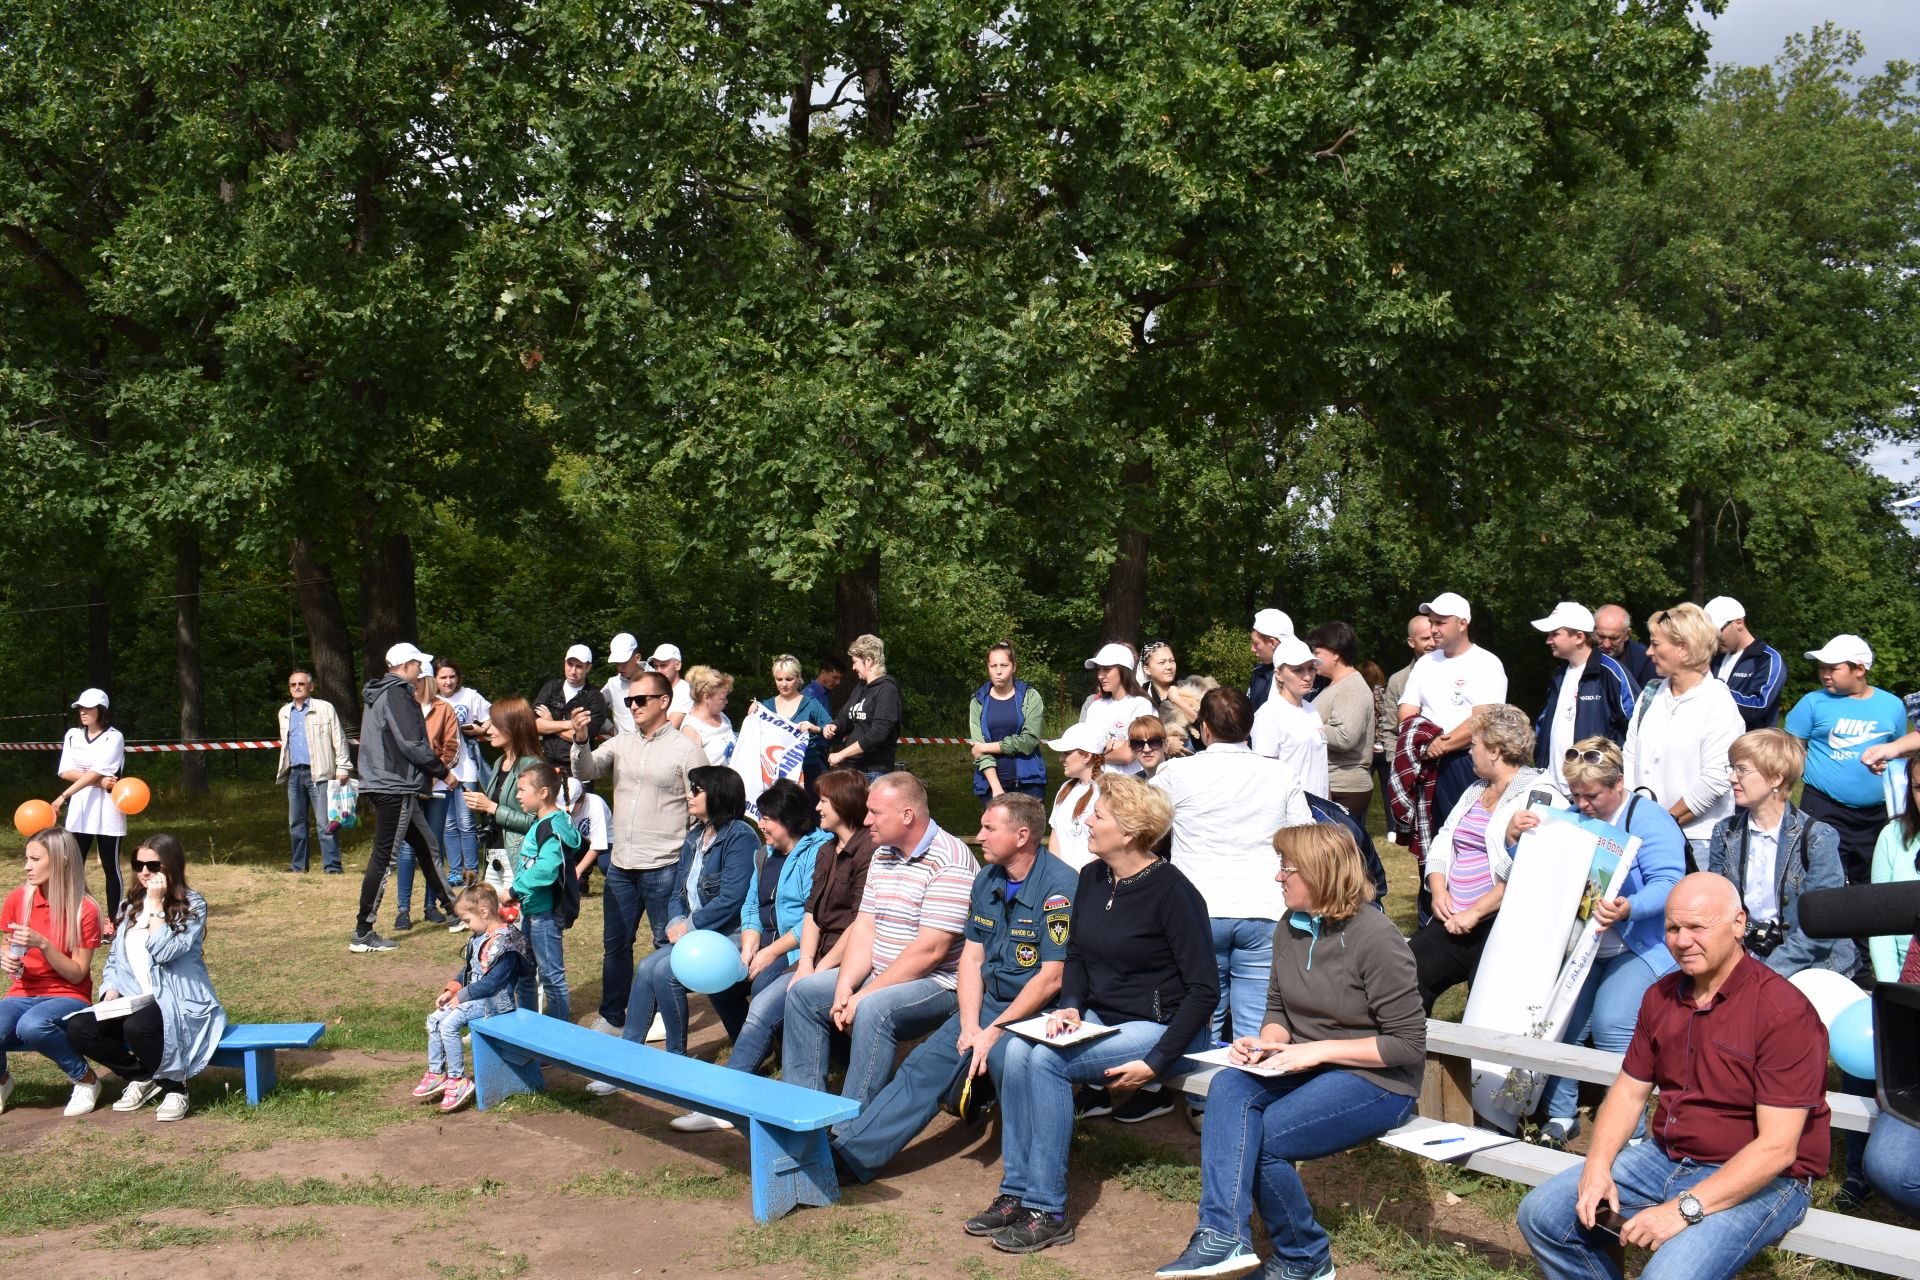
1716, 1249
656, 990
433, 811
627, 896
550, 967
1258, 1127
460, 841
885, 1017
753, 1011
33, 1024
445, 1054
1893, 1163
308, 798
1036, 1106
1243, 949
1607, 1009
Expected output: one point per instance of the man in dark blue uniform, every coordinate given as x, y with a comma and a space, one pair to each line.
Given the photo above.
1010, 968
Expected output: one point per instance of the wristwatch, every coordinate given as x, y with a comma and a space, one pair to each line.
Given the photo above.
1689, 1206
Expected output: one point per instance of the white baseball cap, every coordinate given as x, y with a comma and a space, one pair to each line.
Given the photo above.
1291, 652
1448, 604
1568, 614
1724, 609
622, 648
1844, 647
91, 698
666, 653
401, 654
1112, 654
580, 653
1273, 623
1081, 736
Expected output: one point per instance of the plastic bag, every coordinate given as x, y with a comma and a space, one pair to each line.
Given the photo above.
343, 804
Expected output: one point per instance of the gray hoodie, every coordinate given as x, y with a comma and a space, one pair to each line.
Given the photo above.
394, 756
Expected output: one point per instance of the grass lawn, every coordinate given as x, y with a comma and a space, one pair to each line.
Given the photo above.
342, 1168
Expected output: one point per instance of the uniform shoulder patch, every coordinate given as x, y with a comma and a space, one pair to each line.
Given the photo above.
1055, 902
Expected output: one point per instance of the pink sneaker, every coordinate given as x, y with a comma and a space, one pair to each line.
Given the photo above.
430, 1084
459, 1091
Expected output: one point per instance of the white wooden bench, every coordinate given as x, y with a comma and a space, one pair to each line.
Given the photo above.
1447, 1095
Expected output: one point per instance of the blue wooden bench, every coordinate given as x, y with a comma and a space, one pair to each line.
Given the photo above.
251, 1048
786, 1125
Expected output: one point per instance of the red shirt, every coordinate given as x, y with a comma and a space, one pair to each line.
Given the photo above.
1758, 1044
37, 977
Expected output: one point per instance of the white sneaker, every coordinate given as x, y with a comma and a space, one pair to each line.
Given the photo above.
600, 1024
136, 1095
658, 1031
172, 1107
6, 1091
698, 1122
85, 1098
601, 1089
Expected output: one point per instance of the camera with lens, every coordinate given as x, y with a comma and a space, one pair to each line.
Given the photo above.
1763, 936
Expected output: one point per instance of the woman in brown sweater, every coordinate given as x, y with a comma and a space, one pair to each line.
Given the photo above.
1345, 1026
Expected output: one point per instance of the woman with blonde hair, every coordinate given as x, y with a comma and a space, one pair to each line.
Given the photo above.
707, 723
1082, 749
792, 703
1682, 726
1139, 960
1344, 1023
49, 929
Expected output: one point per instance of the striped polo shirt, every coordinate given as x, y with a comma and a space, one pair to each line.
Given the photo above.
929, 888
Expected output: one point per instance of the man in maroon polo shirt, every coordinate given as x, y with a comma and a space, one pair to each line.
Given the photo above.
1740, 1059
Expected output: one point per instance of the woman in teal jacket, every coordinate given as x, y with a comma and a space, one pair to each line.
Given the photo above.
1004, 723
805, 712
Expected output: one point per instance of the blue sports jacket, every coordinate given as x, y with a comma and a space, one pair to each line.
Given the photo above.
1602, 708
1756, 681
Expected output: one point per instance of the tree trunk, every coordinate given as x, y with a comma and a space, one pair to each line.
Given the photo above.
99, 648
856, 603
1124, 601
189, 672
328, 639
387, 606
1698, 557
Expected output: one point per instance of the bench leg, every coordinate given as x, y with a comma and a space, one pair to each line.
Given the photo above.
789, 1169
494, 1077
262, 1070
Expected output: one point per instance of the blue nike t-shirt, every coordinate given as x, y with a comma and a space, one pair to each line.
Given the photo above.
1836, 730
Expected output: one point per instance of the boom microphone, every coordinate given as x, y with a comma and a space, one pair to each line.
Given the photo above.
1861, 911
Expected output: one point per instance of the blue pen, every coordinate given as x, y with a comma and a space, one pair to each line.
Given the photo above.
1441, 1142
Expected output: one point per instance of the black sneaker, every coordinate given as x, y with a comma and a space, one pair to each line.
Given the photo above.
368, 940
1145, 1104
1852, 1195
1033, 1231
402, 922
997, 1216
1092, 1101
433, 915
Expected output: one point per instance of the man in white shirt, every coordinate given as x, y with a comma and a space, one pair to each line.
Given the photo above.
1590, 695
1447, 686
667, 661
1227, 803
624, 654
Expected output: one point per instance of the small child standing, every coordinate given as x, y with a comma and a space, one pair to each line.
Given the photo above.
543, 880
497, 956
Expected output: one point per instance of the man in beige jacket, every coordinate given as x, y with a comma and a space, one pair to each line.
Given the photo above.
313, 748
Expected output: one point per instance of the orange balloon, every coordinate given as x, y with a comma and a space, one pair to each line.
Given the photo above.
32, 817
130, 795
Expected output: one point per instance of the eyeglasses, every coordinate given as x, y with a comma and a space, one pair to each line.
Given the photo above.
693, 790
1148, 744
1590, 757
1286, 870
141, 866
1743, 771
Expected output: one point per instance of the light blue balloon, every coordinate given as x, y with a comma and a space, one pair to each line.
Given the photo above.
706, 962
1851, 1039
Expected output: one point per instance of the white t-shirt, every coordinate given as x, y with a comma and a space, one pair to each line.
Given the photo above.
1761, 891
1446, 690
91, 811
468, 708
715, 739
1072, 831
682, 700
1112, 716
1560, 725
616, 689
1295, 737
593, 820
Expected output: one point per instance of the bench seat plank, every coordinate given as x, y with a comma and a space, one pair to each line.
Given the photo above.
252, 1047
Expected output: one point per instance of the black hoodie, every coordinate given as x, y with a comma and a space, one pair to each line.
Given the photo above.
395, 759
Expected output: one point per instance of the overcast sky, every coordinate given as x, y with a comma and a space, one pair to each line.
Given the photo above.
1753, 31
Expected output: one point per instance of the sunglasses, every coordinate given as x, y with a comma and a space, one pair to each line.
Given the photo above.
1590, 756
1148, 744
141, 867
695, 791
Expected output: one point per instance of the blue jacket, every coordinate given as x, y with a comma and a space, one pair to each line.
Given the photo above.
790, 891
1634, 661
1812, 865
725, 875
1756, 682
1656, 868
814, 711
1602, 707
1326, 811
1261, 685
191, 1019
